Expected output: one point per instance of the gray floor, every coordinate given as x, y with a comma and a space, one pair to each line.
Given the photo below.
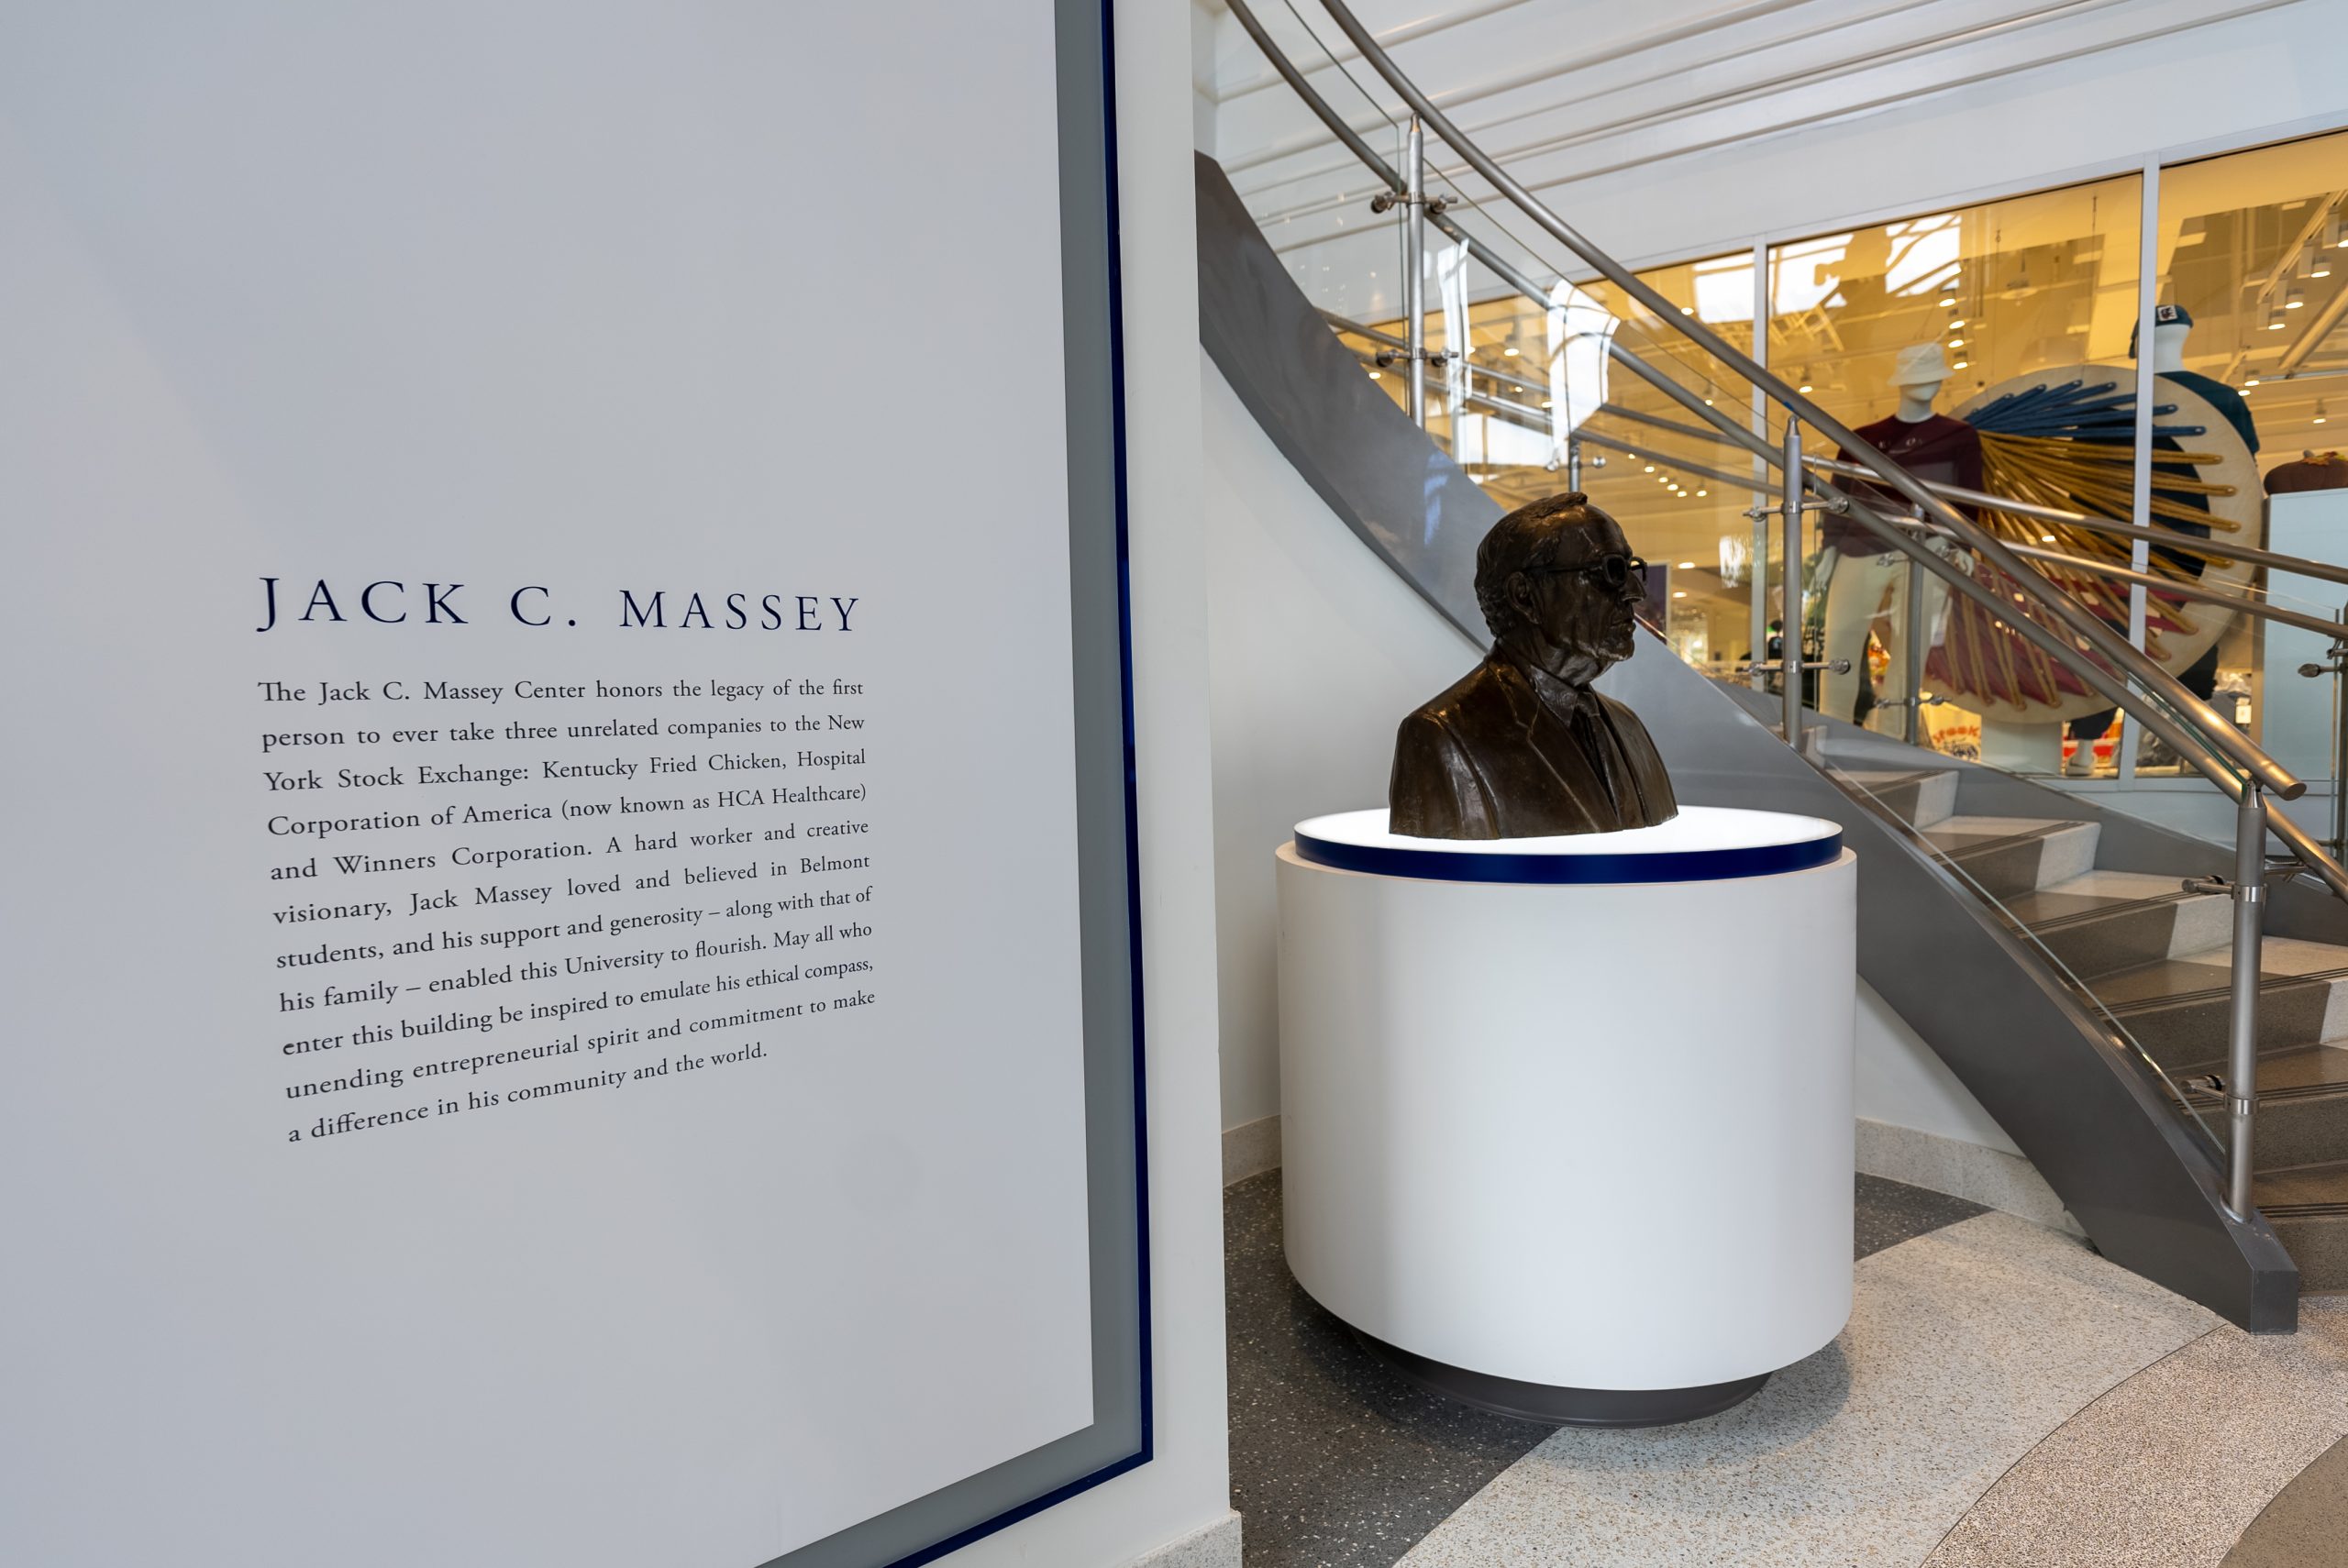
1337, 1463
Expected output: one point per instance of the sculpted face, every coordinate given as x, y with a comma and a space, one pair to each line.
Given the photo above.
1587, 624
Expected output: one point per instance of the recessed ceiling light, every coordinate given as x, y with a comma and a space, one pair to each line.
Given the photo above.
1704, 492
1687, 566
1377, 375
2046, 538
1648, 470
1956, 342
1680, 593
1946, 300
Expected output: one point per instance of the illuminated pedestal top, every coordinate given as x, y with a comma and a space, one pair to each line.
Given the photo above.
1701, 843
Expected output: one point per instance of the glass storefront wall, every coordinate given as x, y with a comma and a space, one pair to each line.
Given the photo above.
1987, 346
2254, 253
1901, 330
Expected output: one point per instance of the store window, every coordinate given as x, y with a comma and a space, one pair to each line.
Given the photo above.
2254, 247
2254, 284
1979, 346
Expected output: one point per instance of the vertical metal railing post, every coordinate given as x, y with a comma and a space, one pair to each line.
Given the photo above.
1414, 266
2339, 662
1912, 634
1789, 501
2249, 891
1759, 605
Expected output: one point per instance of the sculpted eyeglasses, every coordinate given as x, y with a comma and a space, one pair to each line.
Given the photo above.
1614, 572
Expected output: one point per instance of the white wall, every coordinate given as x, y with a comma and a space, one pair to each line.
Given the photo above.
1186, 1487
1902, 1083
1316, 650
1687, 128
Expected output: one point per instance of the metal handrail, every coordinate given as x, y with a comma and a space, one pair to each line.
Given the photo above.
2156, 534
2229, 742
2122, 673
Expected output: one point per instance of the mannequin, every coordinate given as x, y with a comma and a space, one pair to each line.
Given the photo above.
1866, 582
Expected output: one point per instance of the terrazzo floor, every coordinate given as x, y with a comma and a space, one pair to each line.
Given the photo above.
1339, 1463
2001, 1395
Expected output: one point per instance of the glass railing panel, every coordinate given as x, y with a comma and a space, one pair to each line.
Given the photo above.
1308, 192
2109, 938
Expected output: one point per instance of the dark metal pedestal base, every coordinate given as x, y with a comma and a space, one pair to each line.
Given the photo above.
1567, 1407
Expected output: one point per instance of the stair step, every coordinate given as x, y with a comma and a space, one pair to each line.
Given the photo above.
1920, 798
2107, 921
2302, 1107
2176, 1007
2309, 1208
2007, 856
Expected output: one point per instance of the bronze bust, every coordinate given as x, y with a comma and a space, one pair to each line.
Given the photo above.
1522, 747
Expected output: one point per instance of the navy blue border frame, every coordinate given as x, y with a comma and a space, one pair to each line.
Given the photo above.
1682, 866
1146, 1447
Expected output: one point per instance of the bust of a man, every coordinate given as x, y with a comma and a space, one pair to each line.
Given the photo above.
1522, 747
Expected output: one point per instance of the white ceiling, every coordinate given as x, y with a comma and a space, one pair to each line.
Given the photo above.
1581, 99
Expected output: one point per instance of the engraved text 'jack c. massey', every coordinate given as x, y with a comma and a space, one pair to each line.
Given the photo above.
391, 602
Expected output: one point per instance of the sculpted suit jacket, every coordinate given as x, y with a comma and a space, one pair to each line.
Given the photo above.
1509, 753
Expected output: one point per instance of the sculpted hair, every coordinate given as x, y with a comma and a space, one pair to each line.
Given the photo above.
1525, 540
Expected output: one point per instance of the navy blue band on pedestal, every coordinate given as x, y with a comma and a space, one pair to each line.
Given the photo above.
1683, 865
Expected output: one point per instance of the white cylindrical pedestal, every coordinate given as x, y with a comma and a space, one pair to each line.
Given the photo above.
1567, 1122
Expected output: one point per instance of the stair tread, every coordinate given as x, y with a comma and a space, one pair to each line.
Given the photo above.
2306, 1187
2281, 960
1984, 829
1875, 778
1920, 798
2101, 892
2305, 1069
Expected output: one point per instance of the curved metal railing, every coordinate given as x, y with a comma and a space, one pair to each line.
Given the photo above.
2078, 640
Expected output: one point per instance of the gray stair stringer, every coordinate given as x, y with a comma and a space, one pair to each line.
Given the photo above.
2093, 1121
2097, 1123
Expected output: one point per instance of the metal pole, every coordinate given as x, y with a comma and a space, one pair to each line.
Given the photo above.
1414, 288
1913, 691
1759, 417
2339, 662
2140, 479
1789, 663
2241, 1005
1573, 462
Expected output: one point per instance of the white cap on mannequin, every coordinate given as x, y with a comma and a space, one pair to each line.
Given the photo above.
1921, 364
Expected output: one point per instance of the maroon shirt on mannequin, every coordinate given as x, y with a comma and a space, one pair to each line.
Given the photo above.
1939, 450
2327, 470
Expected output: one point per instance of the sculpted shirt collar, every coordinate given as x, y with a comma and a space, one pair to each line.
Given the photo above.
1560, 697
